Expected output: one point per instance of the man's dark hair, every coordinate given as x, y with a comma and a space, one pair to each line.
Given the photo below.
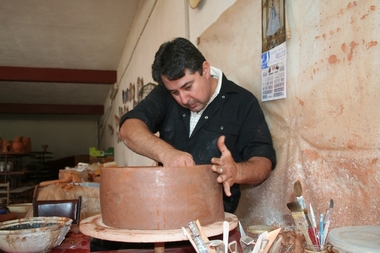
174, 57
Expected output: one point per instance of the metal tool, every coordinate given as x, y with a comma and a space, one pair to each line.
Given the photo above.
232, 247
197, 238
217, 245
246, 242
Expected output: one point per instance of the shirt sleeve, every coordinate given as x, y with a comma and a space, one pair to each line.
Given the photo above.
151, 110
255, 138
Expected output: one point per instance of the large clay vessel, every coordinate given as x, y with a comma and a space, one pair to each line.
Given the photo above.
158, 198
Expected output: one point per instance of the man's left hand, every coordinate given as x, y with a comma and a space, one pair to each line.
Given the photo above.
225, 166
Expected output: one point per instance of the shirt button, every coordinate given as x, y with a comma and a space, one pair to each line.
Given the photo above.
206, 117
222, 127
184, 115
223, 96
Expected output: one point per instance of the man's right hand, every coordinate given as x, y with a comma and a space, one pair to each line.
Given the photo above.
137, 137
177, 159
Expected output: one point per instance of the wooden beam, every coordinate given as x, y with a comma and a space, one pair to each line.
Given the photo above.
51, 109
53, 75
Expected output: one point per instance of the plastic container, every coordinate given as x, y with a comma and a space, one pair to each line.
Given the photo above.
355, 239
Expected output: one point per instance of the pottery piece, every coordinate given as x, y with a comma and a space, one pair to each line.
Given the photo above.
6, 146
26, 141
159, 198
44, 147
17, 145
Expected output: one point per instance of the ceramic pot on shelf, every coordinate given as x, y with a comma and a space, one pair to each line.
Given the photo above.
17, 145
6, 146
26, 141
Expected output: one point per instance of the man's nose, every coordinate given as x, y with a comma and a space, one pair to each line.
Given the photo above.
184, 98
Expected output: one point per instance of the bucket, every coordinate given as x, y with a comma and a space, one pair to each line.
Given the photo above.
355, 239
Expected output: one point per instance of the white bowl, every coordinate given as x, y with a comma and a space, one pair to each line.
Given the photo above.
37, 234
20, 209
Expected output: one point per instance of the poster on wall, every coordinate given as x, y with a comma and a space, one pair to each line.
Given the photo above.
273, 57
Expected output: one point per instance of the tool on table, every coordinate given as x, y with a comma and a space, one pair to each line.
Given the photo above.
217, 245
263, 244
300, 220
232, 247
321, 226
246, 242
199, 240
312, 231
187, 234
327, 220
298, 192
226, 231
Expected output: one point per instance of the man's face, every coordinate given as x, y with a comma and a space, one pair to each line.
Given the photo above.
193, 91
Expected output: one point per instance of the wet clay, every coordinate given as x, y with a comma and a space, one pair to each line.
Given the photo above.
159, 197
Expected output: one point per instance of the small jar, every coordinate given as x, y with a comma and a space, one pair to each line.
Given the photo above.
313, 249
2, 166
255, 231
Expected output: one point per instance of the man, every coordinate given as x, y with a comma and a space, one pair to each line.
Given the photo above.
202, 118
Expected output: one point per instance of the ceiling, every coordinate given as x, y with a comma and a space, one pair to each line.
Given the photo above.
61, 56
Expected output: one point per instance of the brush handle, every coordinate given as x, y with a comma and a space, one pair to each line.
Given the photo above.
321, 227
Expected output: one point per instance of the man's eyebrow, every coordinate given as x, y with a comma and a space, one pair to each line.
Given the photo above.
185, 84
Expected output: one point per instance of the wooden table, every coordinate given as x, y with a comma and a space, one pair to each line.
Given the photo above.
7, 216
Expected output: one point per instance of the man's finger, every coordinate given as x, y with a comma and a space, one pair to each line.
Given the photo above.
227, 189
222, 147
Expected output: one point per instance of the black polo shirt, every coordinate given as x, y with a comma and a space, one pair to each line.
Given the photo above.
235, 113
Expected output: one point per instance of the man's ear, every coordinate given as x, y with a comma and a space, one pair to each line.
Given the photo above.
206, 68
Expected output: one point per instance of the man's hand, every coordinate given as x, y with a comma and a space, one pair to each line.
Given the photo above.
225, 166
177, 158
253, 171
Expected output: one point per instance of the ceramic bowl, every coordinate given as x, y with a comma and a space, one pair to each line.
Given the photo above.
20, 209
37, 234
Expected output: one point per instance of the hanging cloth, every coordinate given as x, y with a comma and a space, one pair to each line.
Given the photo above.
274, 22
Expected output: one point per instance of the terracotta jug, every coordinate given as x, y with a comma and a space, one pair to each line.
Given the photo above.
17, 145
27, 144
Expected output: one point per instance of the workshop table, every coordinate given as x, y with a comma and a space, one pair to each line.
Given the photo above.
77, 242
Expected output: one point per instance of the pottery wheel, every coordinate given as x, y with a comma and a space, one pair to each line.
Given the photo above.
93, 226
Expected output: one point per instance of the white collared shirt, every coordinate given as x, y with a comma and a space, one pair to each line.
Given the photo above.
195, 116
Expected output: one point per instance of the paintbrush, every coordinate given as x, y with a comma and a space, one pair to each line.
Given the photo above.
300, 220
327, 219
298, 192
302, 203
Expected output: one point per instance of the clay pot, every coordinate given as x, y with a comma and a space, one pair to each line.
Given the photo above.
44, 148
17, 145
6, 146
27, 144
156, 198
18, 138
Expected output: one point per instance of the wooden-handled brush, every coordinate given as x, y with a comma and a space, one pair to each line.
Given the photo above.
312, 231
300, 220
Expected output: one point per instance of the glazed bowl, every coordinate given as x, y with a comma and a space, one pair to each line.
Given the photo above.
37, 234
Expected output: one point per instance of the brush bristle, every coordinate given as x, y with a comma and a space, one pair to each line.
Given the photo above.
331, 203
294, 207
298, 188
